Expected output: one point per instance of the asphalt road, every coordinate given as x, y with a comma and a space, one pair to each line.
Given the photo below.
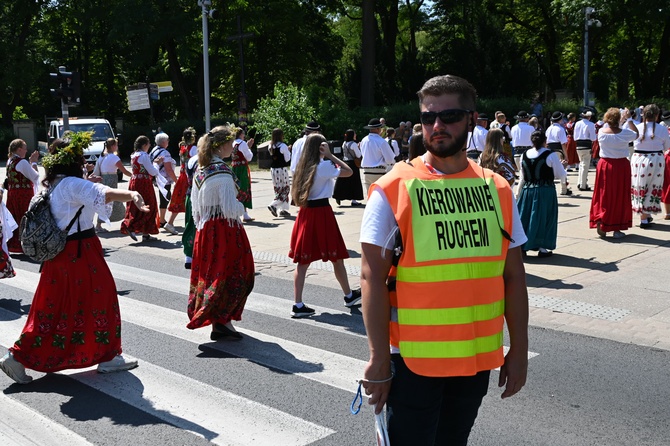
292, 381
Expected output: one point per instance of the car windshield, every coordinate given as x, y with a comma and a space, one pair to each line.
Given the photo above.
100, 131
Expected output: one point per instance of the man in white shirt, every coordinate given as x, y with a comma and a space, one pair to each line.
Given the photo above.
296, 148
521, 137
377, 154
477, 137
584, 134
166, 170
557, 141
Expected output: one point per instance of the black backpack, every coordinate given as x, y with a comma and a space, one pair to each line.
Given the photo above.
41, 238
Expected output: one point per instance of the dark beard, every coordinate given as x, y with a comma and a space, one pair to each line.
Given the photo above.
446, 149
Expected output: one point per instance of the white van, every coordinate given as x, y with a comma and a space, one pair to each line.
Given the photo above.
101, 128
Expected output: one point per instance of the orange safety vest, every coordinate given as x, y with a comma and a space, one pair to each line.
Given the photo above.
449, 299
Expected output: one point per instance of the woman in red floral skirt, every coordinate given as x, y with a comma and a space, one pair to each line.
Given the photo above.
187, 149
222, 271
74, 320
315, 234
22, 179
143, 172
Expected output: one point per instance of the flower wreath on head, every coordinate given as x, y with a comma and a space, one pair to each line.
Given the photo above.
229, 137
72, 152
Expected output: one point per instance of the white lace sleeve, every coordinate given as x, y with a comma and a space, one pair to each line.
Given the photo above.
71, 193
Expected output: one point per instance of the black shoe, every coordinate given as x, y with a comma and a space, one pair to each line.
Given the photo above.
646, 225
355, 298
148, 238
187, 265
567, 192
544, 254
585, 188
273, 210
221, 331
285, 214
304, 311
163, 223
650, 219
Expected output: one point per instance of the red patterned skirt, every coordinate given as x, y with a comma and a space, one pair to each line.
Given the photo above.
316, 236
665, 197
136, 220
222, 274
611, 205
74, 319
18, 201
573, 158
178, 199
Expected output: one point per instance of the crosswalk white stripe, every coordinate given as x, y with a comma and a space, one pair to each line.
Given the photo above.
22, 426
324, 367
219, 416
257, 302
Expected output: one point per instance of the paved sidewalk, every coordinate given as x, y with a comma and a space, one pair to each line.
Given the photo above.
604, 288
609, 288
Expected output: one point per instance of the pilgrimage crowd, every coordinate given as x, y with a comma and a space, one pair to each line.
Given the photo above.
440, 213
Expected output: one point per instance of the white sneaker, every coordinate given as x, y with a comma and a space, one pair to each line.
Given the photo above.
14, 369
171, 229
118, 364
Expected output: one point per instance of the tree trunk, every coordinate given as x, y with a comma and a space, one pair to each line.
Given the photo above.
368, 54
178, 80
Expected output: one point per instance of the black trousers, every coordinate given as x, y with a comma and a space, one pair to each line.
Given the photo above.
165, 201
425, 411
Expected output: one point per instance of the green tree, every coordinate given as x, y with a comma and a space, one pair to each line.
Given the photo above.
287, 108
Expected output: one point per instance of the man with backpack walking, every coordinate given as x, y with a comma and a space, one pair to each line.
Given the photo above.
166, 170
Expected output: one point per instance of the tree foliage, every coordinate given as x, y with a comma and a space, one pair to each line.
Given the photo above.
507, 48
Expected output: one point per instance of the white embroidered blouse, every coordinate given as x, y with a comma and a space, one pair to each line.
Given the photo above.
215, 196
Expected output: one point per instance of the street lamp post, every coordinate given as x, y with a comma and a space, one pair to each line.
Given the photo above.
206, 12
588, 22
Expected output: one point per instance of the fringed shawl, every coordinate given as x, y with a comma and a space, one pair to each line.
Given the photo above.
214, 194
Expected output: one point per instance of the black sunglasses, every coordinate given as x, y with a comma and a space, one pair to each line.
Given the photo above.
446, 116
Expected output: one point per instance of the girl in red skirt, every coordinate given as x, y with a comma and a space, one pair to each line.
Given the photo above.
316, 235
222, 270
573, 158
22, 180
74, 319
611, 208
143, 171
187, 149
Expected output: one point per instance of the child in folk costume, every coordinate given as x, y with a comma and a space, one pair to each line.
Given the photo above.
315, 234
222, 274
74, 320
22, 184
143, 172
281, 160
106, 168
241, 156
187, 150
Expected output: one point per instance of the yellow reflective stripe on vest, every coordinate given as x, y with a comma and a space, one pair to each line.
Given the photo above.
454, 271
451, 316
451, 349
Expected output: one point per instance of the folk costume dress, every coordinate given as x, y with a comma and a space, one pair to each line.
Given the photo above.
106, 168
316, 235
281, 182
188, 236
611, 205
178, 200
7, 226
241, 157
74, 318
135, 220
647, 168
22, 184
573, 158
537, 202
349, 188
665, 198
222, 272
